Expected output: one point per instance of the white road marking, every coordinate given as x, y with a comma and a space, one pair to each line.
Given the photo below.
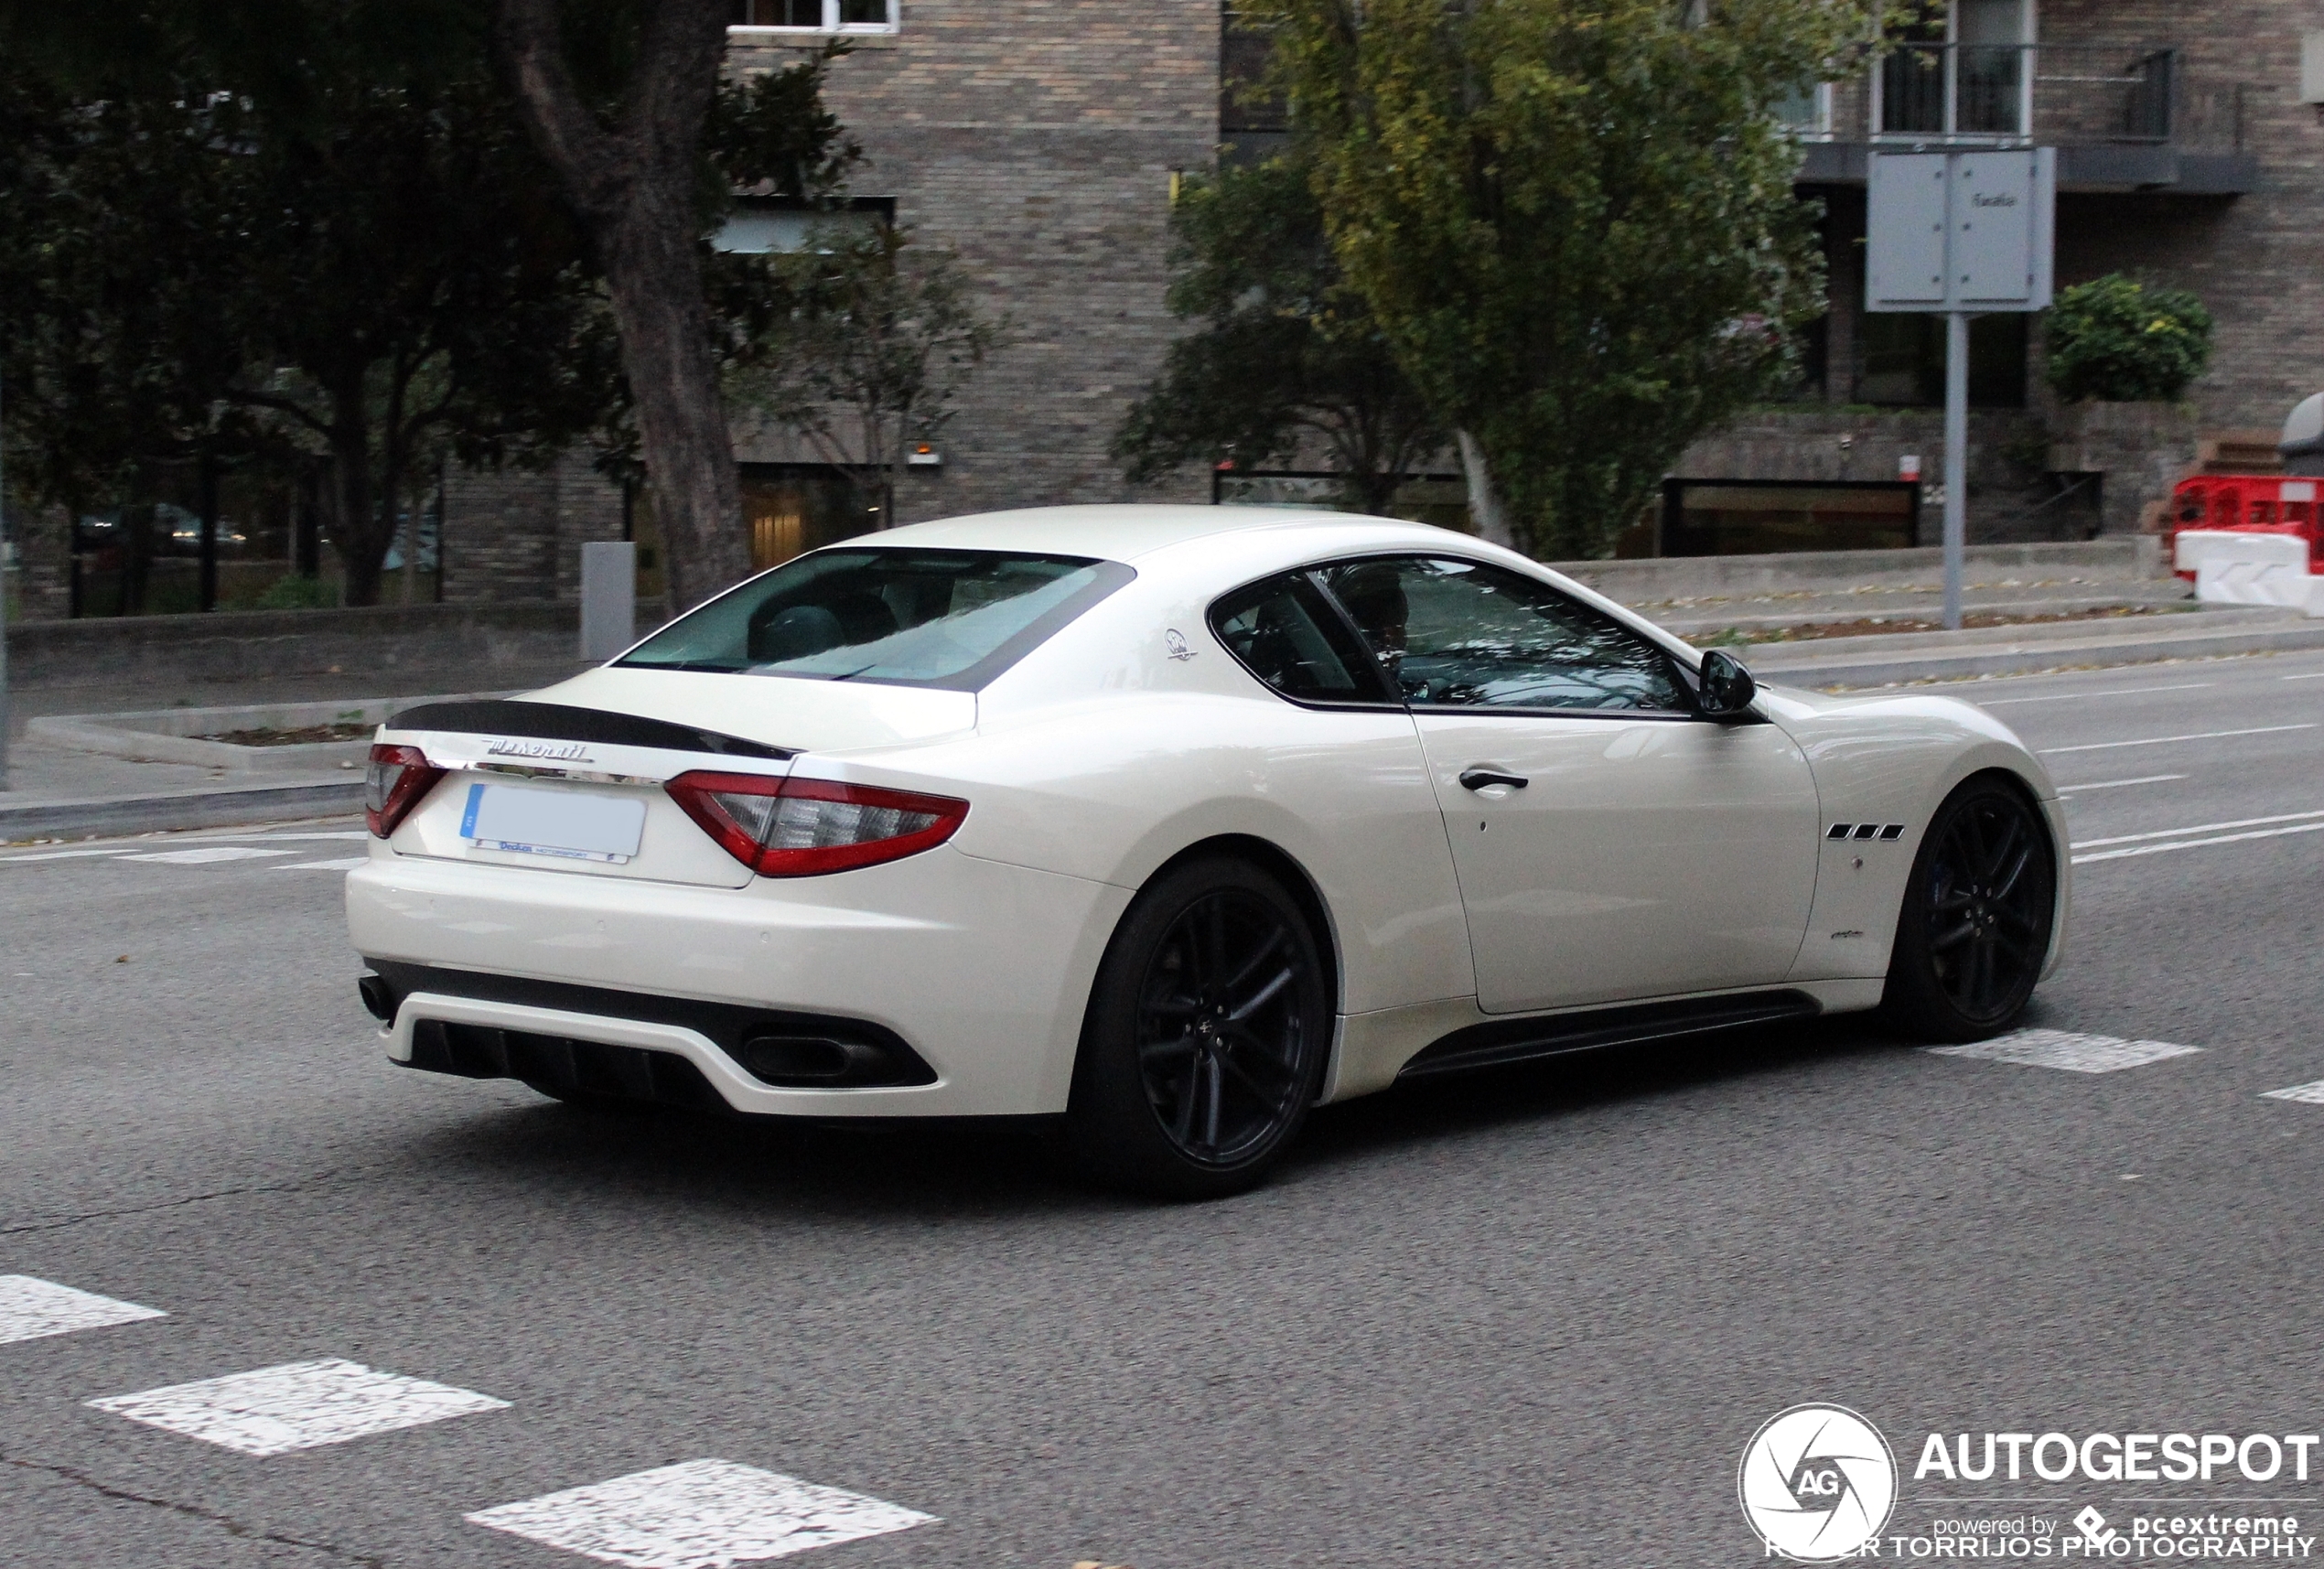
2200, 828
2118, 692
299, 1405
2312, 675
66, 854
2122, 784
2301, 823
31, 1307
2165, 740
2074, 1053
700, 1514
2311, 1093
208, 853
348, 864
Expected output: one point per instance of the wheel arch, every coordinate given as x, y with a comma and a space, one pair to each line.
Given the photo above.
1273, 858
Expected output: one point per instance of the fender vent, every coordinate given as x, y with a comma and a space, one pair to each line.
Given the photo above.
1886, 833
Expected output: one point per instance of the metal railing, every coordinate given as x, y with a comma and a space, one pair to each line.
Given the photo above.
2055, 94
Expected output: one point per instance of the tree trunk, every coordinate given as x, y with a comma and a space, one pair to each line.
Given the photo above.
1485, 509
360, 547
632, 185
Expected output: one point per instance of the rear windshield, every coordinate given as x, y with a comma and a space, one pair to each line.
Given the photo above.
951, 619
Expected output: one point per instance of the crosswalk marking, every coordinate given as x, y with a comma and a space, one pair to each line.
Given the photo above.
31, 1307
700, 1514
2074, 1053
2313, 1093
299, 1405
209, 853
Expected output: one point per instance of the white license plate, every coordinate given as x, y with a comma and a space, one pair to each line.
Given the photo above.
573, 825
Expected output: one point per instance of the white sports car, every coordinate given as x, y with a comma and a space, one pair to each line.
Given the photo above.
1173, 822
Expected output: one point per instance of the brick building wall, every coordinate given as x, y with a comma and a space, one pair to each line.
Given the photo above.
1037, 139
516, 533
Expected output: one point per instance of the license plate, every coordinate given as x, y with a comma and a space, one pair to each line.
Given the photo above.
572, 825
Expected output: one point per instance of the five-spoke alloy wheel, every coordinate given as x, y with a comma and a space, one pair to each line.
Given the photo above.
1206, 1036
1975, 928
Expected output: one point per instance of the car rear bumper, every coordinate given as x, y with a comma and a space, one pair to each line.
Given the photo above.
979, 971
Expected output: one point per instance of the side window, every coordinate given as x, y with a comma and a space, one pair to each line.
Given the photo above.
1460, 634
1288, 635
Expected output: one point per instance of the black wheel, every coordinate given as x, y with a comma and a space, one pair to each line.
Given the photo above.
1205, 1039
1975, 930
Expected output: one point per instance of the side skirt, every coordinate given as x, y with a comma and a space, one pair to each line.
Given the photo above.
1521, 1040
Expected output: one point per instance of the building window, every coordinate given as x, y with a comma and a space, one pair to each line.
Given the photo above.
1904, 361
815, 16
762, 226
793, 508
1807, 114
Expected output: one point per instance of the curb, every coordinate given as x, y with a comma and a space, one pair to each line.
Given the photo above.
228, 808
2029, 659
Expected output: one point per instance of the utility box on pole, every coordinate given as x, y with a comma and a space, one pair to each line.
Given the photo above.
1960, 233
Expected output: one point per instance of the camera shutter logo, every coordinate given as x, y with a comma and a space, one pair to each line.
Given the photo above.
1817, 1483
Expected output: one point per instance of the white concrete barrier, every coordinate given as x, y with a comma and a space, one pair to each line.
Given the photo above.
2235, 568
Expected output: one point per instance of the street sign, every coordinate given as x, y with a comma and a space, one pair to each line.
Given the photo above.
1972, 232
1959, 233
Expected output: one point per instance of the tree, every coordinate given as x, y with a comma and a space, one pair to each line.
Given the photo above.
1284, 349
624, 137
1573, 220
359, 258
2116, 341
871, 340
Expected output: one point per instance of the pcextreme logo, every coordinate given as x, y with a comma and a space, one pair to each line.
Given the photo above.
1817, 1483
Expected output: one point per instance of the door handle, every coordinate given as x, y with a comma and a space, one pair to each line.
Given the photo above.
1480, 779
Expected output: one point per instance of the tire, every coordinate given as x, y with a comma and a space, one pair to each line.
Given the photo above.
1206, 1036
1978, 914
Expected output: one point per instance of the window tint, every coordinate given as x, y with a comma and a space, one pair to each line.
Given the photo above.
1460, 634
1288, 636
914, 617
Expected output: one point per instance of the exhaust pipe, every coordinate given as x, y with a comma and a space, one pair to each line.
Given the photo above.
378, 1001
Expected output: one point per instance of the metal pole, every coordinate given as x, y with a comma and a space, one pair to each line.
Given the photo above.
3, 614
1956, 461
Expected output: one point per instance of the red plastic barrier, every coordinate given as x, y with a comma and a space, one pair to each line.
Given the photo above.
2248, 503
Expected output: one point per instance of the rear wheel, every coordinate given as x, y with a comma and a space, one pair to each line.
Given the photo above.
1206, 1036
1975, 930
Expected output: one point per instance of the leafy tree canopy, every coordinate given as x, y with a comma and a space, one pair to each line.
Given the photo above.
2116, 341
1573, 219
1283, 350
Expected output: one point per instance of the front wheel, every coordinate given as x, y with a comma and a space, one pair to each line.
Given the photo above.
1206, 1036
1978, 913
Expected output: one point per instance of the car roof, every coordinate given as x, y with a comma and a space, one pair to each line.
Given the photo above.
1117, 532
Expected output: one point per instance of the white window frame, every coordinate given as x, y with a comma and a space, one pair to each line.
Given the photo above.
1818, 127
832, 25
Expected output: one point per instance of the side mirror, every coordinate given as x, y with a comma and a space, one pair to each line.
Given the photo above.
1728, 687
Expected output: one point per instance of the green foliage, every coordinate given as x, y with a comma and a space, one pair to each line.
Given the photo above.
860, 344
1573, 219
2115, 340
295, 593
1284, 348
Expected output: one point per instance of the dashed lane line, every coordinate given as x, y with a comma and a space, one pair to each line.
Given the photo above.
348, 864
299, 1405
208, 853
2121, 784
2200, 828
2063, 1050
698, 1514
2170, 839
2313, 1093
31, 1307
2079, 696
2166, 740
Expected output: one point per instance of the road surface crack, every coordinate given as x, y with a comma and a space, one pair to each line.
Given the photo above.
225, 1522
62, 1223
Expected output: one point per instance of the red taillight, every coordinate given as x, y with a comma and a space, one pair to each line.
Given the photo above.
393, 783
802, 828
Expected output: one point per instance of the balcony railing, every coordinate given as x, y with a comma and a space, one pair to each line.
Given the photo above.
2085, 95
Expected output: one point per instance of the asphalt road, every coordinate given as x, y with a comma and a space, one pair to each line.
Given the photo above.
1528, 1319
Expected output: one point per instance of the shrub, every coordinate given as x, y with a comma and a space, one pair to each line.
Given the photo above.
2115, 340
296, 593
